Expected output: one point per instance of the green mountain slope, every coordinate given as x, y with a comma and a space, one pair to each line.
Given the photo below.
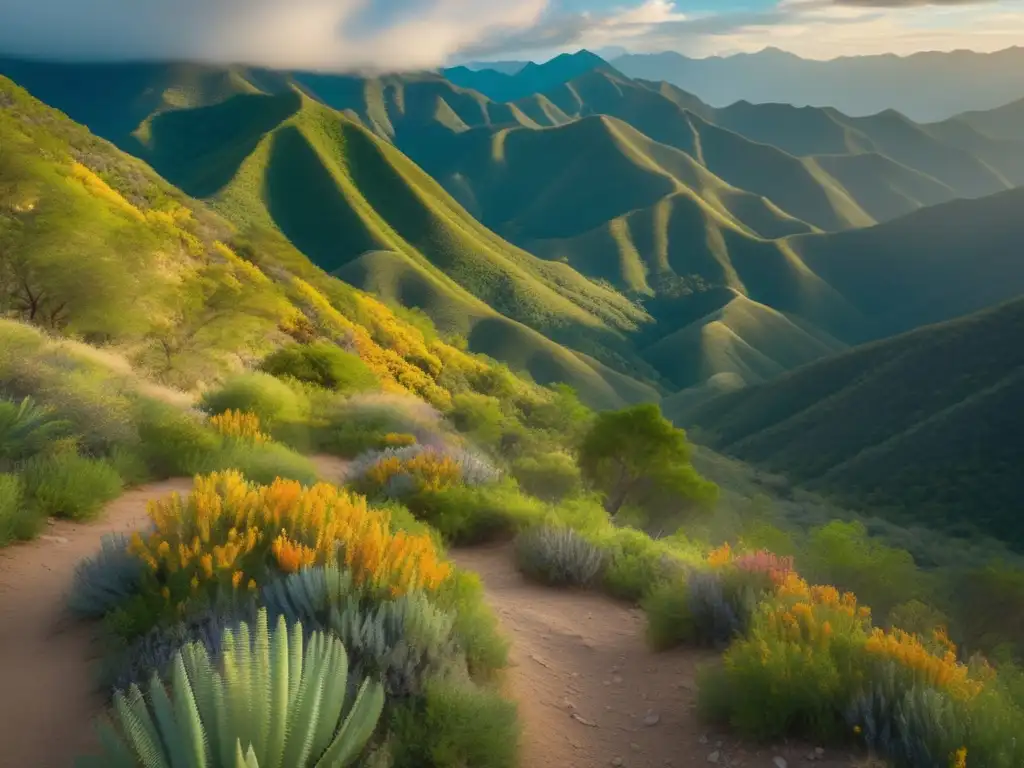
926, 425
742, 341
95, 244
931, 265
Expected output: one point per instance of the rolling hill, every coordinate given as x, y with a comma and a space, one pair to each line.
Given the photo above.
925, 426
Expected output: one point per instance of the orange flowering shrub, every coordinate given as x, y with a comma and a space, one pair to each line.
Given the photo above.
942, 671
239, 425
229, 532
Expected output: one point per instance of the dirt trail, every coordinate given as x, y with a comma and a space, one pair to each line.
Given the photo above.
47, 659
592, 695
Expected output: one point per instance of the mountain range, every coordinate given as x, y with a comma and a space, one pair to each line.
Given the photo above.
618, 234
928, 86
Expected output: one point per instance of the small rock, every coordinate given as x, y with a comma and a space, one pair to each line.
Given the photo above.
606, 682
55, 539
616, 679
634, 746
617, 762
703, 738
653, 718
718, 744
779, 762
715, 757
819, 752
568, 704
583, 720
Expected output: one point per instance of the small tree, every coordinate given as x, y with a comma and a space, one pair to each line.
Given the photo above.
637, 457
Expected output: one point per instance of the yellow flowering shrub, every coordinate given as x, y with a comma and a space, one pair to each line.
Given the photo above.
399, 439
239, 425
397, 373
429, 470
232, 532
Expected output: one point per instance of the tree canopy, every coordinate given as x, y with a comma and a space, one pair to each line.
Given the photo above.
637, 457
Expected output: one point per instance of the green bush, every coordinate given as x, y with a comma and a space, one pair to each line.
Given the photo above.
549, 476
323, 364
473, 515
172, 442
17, 520
670, 622
268, 397
635, 564
479, 416
456, 725
261, 463
68, 485
558, 556
476, 626
131, 465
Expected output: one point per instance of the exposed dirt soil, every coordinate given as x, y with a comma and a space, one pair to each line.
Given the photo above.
49, 697
590, 692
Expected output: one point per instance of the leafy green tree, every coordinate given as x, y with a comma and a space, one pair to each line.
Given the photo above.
637, 457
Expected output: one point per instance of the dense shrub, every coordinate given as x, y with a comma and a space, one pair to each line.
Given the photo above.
68, 485
549, 476
229, 534
635, 564
476, 627
174, 443
269, 398
260, 462
700, 609
473, 515
323, 364
239, 426
558, 556
456, 725
404, 642
397, 473
303, 720
17, 521
106, 579
364, 422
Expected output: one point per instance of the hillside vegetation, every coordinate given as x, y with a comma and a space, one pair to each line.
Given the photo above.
923, 426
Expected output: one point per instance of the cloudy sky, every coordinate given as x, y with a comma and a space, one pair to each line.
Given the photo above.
396, 34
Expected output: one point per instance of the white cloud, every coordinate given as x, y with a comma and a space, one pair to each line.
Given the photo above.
321, 34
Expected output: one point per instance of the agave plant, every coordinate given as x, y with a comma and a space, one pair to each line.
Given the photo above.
155, 651
25, 428
273, 701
